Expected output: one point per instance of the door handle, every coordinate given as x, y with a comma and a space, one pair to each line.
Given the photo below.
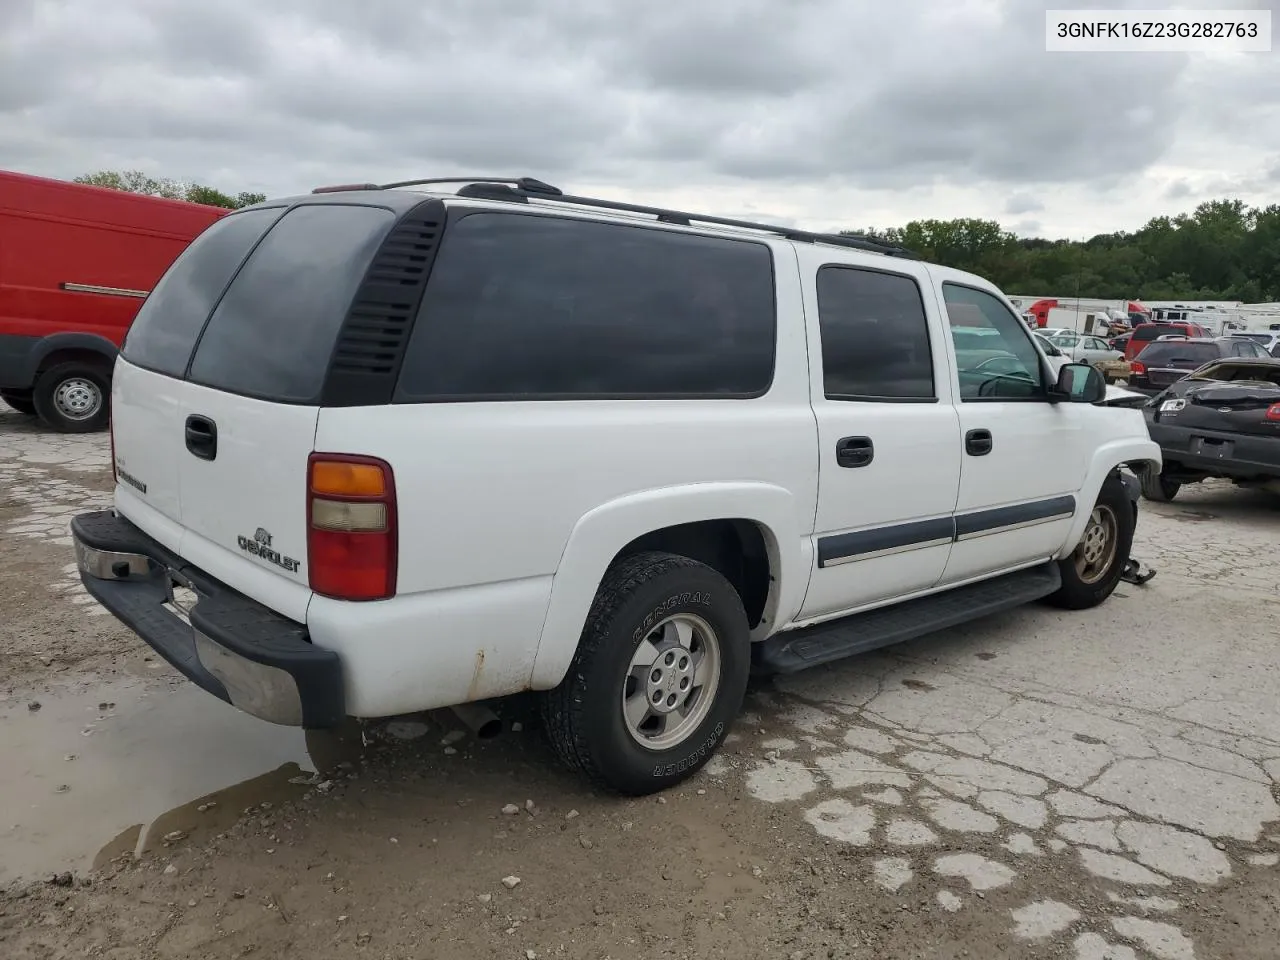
855, 451
977, 443
202, 437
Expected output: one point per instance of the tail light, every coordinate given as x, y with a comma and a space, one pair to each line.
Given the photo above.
1273, 412
351, 527
1137, 369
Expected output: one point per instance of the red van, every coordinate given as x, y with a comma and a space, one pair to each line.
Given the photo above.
76, 262
1146, 333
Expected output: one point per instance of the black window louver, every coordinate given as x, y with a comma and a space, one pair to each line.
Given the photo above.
366, 358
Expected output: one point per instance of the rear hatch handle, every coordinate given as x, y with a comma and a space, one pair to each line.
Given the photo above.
202, 437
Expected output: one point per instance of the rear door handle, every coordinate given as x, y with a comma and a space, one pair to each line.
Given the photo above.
855, 451
977, 443
202, 437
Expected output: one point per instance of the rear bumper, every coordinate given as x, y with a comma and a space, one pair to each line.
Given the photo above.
1224, 455
227, 644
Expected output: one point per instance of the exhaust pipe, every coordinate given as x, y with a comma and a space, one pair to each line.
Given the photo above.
480, 720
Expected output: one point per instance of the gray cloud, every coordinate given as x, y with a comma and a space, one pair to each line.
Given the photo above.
753, 96
1178, 189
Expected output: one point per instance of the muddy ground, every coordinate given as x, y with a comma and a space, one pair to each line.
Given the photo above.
1096, 786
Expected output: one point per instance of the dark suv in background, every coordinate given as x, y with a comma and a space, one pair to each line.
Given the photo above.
1167, 361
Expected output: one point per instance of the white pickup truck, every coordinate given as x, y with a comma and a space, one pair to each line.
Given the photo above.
425, 444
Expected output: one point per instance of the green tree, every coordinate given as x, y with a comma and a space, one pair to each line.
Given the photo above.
135, 181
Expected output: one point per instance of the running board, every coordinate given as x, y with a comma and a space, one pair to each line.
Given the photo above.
795, 650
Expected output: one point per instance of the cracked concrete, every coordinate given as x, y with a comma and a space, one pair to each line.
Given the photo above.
1137, 744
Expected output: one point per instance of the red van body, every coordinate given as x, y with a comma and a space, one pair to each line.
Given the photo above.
76, 263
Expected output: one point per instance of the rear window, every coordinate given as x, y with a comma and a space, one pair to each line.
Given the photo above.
272, 335
1155, 332
1178, 352
165, 330
531, 307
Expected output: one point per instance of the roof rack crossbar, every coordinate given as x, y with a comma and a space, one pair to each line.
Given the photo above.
532, 189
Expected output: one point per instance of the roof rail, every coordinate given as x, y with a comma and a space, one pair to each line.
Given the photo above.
523, 189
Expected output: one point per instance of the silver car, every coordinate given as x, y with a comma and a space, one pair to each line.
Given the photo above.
1084, 349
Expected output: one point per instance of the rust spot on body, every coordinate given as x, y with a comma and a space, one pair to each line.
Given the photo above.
473, 691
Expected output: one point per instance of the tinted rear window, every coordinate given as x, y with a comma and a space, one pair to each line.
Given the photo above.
167, 325
273, 332
531, 307
1198, 353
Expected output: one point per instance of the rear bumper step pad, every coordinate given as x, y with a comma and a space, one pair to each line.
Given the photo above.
232, 646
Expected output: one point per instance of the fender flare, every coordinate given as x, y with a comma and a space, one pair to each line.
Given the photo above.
51, 344
601, 533
1107, 458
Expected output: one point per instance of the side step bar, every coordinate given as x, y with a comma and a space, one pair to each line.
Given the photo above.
795, 650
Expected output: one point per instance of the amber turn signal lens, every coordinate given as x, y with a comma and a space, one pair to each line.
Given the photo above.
335, 478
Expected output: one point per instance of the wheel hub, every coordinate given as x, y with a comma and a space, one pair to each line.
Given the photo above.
77, 399
670, 680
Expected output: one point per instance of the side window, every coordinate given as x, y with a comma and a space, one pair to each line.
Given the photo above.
875, 337
1067, 340
1005, 365
529, 307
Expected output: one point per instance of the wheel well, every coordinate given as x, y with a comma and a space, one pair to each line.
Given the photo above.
734, 548
76, 354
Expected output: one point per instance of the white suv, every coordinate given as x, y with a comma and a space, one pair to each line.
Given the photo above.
386, 449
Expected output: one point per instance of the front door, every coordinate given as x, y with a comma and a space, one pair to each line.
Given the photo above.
889, 455
1023, 458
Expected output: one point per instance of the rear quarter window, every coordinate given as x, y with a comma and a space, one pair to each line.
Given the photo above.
166, 327
528, 307
273, 332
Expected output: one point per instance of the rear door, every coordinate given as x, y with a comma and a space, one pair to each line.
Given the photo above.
889, 442
250, 410
219, 411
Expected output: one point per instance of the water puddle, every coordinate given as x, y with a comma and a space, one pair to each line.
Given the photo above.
114, 768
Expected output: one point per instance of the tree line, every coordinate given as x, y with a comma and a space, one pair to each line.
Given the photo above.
1223, 250
135, 181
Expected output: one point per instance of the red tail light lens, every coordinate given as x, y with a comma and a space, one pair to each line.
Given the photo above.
351, 527
1140, 369
1273, 412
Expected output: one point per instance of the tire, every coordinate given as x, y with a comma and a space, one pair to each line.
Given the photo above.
1158, 488
73, 397
20, 400
642, 597
1108, 538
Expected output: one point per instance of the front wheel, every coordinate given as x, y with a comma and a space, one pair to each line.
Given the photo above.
1092, 570
658, 678
1159, 488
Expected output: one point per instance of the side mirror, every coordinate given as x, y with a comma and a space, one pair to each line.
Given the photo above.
1079, 383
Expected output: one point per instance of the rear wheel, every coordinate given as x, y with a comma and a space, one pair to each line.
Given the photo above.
1157, 487
20, 400
1092, 570
659, 675
72, 397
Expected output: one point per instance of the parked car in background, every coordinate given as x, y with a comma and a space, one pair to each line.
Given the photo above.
1268, 341
1085, 349
1167, 361
76, 263
1055, 356
1117, 343
1146, 333
1221, 421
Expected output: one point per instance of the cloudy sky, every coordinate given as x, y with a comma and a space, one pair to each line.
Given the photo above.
824, 113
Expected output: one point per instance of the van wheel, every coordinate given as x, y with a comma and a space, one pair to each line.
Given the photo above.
658, 677
1092, 570
72, 397
1158, 487
20, 400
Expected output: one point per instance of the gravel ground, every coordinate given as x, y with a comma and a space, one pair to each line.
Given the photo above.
1093, 786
